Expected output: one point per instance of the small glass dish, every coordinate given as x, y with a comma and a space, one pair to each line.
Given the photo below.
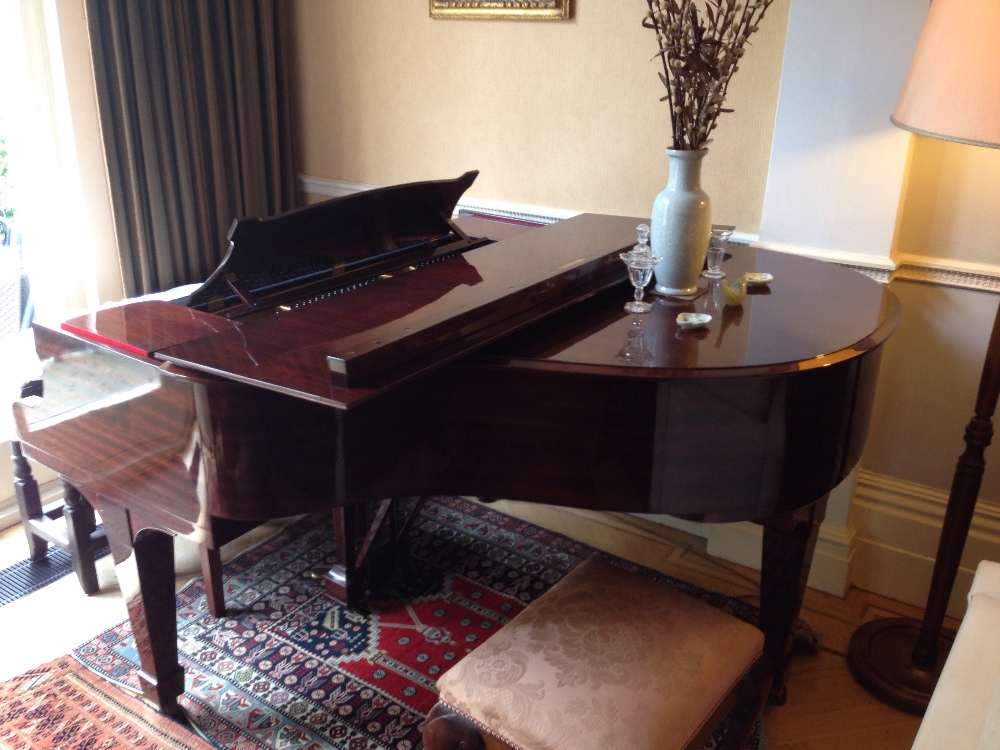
758, 279
693, 320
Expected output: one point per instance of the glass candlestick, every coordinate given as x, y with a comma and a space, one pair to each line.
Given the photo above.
640, 261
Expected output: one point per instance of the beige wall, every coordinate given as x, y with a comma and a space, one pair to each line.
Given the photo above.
951, 205
948, 215
927, 385
561, 114
565, 115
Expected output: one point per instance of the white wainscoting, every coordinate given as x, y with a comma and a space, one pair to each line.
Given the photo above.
888, 547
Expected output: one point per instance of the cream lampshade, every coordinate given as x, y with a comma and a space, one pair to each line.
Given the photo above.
952, 92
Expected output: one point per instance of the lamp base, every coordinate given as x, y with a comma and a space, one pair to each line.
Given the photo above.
880, 657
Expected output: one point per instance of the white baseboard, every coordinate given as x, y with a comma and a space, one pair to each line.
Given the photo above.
741, 543
898, 527
9, 514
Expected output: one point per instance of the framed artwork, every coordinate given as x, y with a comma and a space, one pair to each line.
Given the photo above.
552, 10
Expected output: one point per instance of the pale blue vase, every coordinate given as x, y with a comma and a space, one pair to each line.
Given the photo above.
680, 226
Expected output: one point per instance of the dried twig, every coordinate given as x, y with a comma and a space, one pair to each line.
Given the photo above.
700, 51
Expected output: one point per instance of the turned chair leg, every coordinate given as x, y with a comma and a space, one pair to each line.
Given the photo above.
28, 500
75, 534
80, 526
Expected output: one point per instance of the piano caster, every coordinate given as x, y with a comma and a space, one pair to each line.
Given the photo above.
804, 638
351, 590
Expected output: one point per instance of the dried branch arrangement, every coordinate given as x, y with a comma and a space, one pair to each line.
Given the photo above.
701, 43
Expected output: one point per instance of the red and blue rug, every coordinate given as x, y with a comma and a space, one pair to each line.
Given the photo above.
291, 669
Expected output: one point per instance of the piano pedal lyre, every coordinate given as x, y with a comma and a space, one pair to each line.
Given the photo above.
369, 546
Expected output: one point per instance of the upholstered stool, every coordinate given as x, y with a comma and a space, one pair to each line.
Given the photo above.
606, 659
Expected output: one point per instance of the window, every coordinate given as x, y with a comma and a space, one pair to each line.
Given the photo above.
47, 258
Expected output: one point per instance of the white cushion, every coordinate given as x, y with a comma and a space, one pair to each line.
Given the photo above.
964, 711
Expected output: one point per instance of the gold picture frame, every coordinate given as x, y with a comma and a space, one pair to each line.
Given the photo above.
550, 10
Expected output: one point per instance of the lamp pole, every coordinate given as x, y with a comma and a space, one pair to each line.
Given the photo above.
952, 92
900, 659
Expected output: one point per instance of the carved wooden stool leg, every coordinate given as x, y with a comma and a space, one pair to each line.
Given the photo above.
80, 526
446, 730
28, 500
753, 692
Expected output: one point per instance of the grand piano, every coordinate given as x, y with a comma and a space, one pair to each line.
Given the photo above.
375, 347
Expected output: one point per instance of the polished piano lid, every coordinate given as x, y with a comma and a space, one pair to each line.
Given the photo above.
562, 286
343, 348
811, 314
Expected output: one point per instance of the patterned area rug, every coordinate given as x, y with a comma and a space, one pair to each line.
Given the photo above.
63, 706
291, 669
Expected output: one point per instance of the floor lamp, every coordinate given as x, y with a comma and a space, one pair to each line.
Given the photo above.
952, 92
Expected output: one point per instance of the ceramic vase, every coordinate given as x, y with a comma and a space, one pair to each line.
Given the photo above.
680, 225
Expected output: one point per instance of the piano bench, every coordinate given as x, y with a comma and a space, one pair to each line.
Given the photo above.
605, 659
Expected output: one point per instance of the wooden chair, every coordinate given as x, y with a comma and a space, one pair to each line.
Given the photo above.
605, 659
69, 525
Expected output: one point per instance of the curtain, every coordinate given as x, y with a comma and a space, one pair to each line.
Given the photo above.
195, 117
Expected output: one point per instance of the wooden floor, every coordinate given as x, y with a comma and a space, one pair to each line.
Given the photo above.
826, 708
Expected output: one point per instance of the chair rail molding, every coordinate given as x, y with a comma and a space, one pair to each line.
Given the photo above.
540, 214
978, 276
983, 277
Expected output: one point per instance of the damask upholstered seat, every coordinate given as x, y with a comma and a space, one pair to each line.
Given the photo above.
605, 659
